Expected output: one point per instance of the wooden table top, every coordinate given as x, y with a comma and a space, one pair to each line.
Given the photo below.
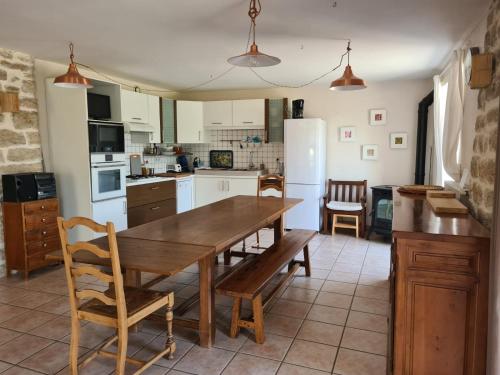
147, 256
412, 214
218, 225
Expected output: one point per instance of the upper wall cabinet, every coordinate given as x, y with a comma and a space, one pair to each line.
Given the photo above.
168, 120
189, 122
249, 114
276, 113
154, 118
135, 107
218, 114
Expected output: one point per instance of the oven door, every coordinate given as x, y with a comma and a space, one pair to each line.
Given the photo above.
108, 181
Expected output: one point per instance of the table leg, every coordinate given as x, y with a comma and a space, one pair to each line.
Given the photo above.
132, 278
278, 228
207, 301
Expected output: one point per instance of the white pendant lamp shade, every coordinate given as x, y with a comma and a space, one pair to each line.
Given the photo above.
253, 59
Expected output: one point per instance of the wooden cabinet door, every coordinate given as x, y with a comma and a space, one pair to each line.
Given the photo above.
218, 114
249, 114
154, 118
209, 190
189, 122
134, 106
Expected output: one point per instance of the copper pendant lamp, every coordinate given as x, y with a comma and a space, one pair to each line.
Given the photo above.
254, 58
348, 81
72, 79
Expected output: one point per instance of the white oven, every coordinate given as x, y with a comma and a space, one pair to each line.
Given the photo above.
108, 176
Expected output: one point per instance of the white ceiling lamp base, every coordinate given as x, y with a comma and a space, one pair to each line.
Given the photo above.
254, 58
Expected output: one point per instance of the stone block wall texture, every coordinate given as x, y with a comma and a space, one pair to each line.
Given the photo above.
485, 141
20, 149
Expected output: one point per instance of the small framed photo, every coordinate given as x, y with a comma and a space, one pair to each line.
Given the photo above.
378, 117
399, 140
369, 152
348, 134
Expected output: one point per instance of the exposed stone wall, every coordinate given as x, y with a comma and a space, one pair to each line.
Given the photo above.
19, 136
485, 140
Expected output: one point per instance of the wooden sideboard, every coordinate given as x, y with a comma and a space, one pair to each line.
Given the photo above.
30, 232
439, 291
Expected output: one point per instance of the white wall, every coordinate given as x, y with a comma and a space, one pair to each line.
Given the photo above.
400, 98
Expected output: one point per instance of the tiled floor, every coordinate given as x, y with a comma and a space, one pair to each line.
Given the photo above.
332, 323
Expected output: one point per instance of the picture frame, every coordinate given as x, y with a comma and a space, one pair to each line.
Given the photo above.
369, 152
347, 134
378, 116
399, 140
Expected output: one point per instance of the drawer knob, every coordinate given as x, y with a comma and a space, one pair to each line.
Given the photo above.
44, 233
44, 244
42, 207
44, 220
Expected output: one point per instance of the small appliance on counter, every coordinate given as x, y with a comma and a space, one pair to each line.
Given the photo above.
135, 165
298, 108
176, 168
23, 187
182, 160
222, 159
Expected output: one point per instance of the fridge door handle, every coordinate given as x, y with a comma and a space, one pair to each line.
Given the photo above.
125, 207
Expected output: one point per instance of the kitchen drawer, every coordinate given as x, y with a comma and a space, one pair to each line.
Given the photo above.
44, 245
38, 260
46, 220
149, 212
149, 193
442, 257
42, 233
37, 207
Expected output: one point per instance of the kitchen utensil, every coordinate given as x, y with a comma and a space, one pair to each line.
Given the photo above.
135, 164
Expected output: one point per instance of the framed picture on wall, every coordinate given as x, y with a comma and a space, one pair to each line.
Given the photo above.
369, 152
347, 134
378, 117
399, 140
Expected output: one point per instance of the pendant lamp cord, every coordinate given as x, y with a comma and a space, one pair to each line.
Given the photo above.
253, 13
71, 55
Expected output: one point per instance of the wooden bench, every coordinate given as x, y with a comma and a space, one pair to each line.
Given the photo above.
248, 281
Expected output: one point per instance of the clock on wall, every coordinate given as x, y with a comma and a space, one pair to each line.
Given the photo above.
478, 68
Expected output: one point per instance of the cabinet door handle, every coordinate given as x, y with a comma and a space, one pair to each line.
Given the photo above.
199, 135
216, 123
248, 122
125, 207
136, 118
227, 185
155, 208
155, 188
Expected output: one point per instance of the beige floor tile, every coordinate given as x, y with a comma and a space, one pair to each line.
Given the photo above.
369, 322
92, 335
157, 345
50, 360
323, 333
4, 366
10, 293
8, 312
374, 280
274, 347
60, 305
316, 273
312, 355
372, 292
342, 301
300, 294
292, 309
288, 369
370, 305
325, 314
22, 347
16, 370
281, 325
364, 341
243, 364
307, 283
351, 362
338, 287
28, 320
55, 329
202, 361
33, 299
347, 267
345, 277
8, 335
223, 341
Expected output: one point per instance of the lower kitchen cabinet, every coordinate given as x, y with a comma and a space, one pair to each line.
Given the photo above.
150, 202
210, 189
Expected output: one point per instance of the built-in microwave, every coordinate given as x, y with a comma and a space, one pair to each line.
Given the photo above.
106, 137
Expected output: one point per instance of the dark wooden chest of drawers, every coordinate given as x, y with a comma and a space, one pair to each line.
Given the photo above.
30, 232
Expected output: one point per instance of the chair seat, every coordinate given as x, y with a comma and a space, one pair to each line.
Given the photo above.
136, 300
344, 206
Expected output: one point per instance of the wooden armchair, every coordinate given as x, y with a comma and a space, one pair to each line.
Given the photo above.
345, 199
118, 307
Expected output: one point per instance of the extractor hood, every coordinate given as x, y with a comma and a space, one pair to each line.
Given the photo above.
138, 128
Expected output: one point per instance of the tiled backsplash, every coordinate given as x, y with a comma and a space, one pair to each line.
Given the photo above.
235, 140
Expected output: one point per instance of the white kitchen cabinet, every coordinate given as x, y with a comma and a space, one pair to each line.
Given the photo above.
218, 114
134, 107
249, 114
210, 189
154, 118
190, 122
184, 194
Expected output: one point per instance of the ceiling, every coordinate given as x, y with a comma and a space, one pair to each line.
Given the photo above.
181, 43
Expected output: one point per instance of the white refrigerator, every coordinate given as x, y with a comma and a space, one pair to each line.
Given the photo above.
305, 164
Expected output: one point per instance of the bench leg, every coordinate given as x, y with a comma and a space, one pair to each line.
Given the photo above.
307, 263
235, 318
258, 319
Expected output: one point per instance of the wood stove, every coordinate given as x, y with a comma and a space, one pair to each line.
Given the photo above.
381, 213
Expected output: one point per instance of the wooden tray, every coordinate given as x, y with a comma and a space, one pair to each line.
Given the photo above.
441, 194
447, 206
418, 189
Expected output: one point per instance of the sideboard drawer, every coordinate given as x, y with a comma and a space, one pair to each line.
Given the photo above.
42, 233
39, 207
47, 220
45, 245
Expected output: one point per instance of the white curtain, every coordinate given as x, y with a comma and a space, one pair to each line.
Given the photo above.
437, 175
453, 114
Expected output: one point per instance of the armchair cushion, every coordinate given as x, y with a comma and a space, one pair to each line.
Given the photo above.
344, 206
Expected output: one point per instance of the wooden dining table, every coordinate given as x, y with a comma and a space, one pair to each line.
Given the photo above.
171, 244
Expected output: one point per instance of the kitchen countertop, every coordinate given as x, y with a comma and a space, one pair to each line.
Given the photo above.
231, 172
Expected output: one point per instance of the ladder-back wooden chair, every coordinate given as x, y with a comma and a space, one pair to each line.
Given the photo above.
345, 199
118, 307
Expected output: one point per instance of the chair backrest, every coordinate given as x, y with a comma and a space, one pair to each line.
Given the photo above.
347, 191
75, 270
271, 181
